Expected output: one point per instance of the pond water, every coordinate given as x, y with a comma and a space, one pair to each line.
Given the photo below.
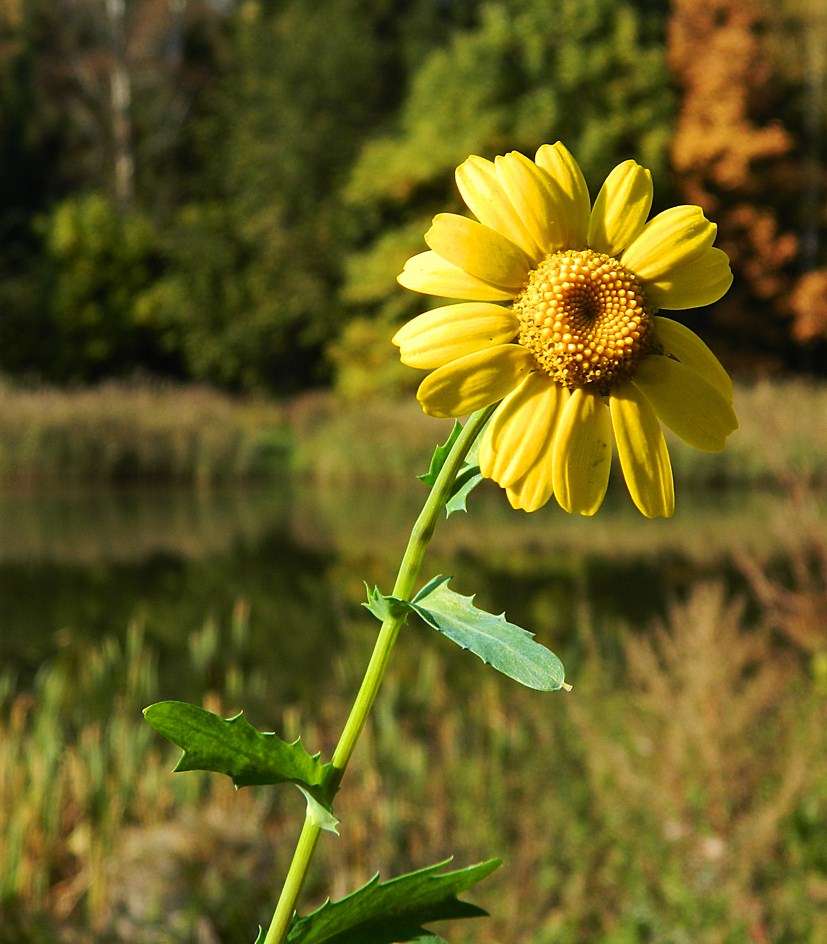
75, 567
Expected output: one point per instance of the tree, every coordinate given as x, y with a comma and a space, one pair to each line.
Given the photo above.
746, 148
590, 72
252, 295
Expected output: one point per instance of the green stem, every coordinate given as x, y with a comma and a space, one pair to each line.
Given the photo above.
421, 534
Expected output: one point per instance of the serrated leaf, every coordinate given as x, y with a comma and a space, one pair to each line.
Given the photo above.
395, 911
441, 453
468, 476
319, 815
383, 607
232, 746
502, 645
467, 480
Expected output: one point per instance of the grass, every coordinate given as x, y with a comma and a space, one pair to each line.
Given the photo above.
192, 435
677, 794
782, 437
138, 432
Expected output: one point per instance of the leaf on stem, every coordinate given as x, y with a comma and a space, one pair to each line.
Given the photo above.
506, 647
385, 608
395, 911
232, 746
468, 477
441, 453
500, 644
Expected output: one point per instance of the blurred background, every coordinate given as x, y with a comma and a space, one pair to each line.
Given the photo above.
207, 443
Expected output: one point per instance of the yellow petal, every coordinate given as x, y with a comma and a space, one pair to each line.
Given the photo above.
689, 405
535, 198
535, 488
572, 193
642, 450
701, 282
479, 251
437, 337
474, 381
621, 208
482, 190
430, 274
582, 453
668, 242
689, 349
521, 429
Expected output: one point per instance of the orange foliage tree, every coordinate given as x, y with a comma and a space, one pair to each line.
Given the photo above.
747, 149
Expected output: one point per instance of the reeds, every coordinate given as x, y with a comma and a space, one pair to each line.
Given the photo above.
146, 432
140, 432
782, 437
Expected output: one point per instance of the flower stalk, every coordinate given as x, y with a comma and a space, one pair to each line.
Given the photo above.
409, 568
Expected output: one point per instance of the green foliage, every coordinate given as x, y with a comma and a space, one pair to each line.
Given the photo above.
500, 644
234, 321
252, 292
467, 479
232, 746
393, 911
100, 262
366, 365
278, 180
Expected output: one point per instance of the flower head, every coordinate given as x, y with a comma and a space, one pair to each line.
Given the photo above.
580, 356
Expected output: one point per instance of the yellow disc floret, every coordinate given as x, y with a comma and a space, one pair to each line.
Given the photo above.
585, 319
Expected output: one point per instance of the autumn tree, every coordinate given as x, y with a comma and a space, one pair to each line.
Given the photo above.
746, 149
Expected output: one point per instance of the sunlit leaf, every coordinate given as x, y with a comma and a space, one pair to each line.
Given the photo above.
506, 647
441, 453
468, 476
395, 911
232, 746
385, 608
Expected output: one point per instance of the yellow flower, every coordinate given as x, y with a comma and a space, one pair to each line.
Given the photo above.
580, 356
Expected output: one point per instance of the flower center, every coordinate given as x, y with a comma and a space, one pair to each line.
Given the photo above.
584, 318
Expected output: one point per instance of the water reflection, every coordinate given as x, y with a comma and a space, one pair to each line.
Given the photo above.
79, 566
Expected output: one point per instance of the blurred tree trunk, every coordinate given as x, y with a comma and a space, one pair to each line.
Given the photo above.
120, 88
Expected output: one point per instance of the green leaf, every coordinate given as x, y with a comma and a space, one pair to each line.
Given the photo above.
261, 936
441, 453
383, 607
508, 648
468, 476
234, 747
319, 815
395, 911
